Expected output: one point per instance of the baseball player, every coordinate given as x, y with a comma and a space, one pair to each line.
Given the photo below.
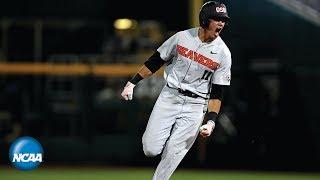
198, 68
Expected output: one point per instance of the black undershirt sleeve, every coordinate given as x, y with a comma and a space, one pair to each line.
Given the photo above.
154, 62
217, 91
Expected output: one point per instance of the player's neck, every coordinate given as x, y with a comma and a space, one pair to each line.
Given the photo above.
204, 35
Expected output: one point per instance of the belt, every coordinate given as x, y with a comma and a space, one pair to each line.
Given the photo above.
185, 92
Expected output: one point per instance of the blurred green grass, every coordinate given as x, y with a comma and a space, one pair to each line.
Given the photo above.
106, 173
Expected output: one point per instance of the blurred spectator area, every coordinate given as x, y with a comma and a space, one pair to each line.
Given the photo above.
92, 41
59, 100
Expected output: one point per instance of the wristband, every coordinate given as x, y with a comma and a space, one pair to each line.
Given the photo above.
136, 78
212, 116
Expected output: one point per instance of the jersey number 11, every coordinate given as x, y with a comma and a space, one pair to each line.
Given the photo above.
206, 75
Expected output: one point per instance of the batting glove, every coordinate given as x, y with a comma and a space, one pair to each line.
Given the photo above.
206, 130
127, 92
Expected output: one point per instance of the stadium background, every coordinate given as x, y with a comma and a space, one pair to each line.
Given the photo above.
63, 65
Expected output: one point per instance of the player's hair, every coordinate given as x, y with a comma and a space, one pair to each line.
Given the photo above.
212, 10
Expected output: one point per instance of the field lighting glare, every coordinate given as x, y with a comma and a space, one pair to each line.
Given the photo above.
125, 24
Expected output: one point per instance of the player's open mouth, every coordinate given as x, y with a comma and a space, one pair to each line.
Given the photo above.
218, 29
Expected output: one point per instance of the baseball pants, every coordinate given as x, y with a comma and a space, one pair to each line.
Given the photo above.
172, 129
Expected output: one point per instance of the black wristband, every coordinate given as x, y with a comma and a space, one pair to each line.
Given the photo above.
136, 78
212, 116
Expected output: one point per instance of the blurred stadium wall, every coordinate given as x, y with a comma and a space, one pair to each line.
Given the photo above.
270, 117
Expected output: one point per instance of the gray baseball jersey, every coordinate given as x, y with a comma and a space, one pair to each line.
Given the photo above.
174, 122
194, 64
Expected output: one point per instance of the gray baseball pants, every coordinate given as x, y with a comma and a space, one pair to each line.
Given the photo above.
172, 129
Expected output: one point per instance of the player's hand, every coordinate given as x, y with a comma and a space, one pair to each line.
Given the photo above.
206, 130
127, 92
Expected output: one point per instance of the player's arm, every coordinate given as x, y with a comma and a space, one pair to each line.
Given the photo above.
214, 106
152, 65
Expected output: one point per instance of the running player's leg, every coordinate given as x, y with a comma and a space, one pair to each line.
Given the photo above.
183, 135
160, 123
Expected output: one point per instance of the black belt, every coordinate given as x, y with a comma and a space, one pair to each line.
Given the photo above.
186, 92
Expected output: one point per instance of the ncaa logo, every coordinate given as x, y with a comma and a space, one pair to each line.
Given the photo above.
26, 153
